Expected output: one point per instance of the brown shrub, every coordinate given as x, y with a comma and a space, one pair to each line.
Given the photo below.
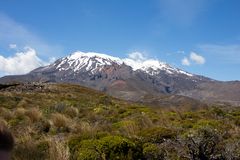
58, 150
33, 114
6, 113
72, 112
59, 120
19, 112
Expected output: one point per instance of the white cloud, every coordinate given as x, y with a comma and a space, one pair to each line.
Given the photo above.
134, 59
138, 56
186, 62
12, 46
12, 31
198, 59
138, 60
21, 63
193, 58
52, 59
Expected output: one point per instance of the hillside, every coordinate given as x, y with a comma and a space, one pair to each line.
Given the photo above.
217, 92
65, 121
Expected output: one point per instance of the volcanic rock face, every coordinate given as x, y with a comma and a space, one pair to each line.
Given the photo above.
123, 78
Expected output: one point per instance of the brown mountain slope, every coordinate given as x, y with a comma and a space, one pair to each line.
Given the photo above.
217, 92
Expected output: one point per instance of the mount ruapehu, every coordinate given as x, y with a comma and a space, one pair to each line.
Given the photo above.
131, 80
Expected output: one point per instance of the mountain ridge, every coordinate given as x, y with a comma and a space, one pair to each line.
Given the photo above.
78, 59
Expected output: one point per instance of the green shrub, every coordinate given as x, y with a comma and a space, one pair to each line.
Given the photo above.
186, 124
218, 111
235, 113
105, 100
190, 115
152, 152
116, 147
88, 150
157, 135
208, 123
109, 147
16, 121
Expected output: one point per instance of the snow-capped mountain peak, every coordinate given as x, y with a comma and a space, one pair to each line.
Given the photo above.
79, 55
91, 61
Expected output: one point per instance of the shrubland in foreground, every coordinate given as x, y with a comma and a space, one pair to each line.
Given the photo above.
64, 122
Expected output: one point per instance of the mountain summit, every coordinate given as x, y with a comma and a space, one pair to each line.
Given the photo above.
94, 62
128, 78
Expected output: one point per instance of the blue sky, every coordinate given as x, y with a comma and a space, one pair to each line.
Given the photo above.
199, 36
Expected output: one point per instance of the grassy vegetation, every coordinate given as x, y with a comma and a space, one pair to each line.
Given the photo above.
60, 121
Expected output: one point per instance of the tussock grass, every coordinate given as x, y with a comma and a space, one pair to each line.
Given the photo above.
6, 113
72, 112
58, 149
33, 114
60, 121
